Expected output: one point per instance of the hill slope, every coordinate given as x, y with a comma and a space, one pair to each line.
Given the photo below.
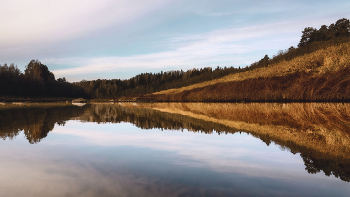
323, 75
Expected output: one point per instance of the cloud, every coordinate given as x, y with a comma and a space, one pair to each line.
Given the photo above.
88, 37
40, 21
225, 47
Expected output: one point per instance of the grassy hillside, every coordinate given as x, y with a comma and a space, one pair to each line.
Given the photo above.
323, 75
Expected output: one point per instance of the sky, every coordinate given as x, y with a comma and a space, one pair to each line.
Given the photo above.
118, 39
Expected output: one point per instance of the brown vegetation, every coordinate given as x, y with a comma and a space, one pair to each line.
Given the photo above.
323, 75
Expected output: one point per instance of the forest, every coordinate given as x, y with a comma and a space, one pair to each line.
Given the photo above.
38, 81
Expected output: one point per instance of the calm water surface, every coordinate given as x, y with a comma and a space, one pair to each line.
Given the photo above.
176, 149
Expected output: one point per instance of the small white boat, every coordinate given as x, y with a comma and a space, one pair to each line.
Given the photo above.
79, 104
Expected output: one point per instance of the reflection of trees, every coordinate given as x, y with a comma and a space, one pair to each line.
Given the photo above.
36, 121
304, 120
149, 119
339, 169
35, 133
301, 117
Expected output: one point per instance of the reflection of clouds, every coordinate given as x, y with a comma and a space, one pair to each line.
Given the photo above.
229, 153
48, 178
69, 163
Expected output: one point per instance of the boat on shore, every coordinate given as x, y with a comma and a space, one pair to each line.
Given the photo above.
79, 102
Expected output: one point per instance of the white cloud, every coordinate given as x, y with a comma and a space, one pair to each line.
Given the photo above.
41, 21
64, 33
222, 47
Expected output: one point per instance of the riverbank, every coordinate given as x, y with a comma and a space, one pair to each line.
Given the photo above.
10, 99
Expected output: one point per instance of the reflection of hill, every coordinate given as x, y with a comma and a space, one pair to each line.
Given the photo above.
311, 125
35, 120
325, 127
320, 132
146, 118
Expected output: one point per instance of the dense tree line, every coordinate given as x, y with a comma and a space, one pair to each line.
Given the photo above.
313, 39
339, 29
37, 80
146, 83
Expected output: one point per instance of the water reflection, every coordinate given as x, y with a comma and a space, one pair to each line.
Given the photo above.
318, 131
36, 120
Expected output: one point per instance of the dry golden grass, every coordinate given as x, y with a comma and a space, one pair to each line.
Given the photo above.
322, 61
322, 127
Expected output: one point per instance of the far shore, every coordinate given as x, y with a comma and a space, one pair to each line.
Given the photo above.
130, 99
11, 99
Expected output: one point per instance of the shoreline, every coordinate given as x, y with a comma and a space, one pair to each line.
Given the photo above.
11, 99
154, 99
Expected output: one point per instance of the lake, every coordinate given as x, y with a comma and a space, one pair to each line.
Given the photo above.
175, 149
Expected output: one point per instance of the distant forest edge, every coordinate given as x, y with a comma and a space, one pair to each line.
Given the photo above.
327, 48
